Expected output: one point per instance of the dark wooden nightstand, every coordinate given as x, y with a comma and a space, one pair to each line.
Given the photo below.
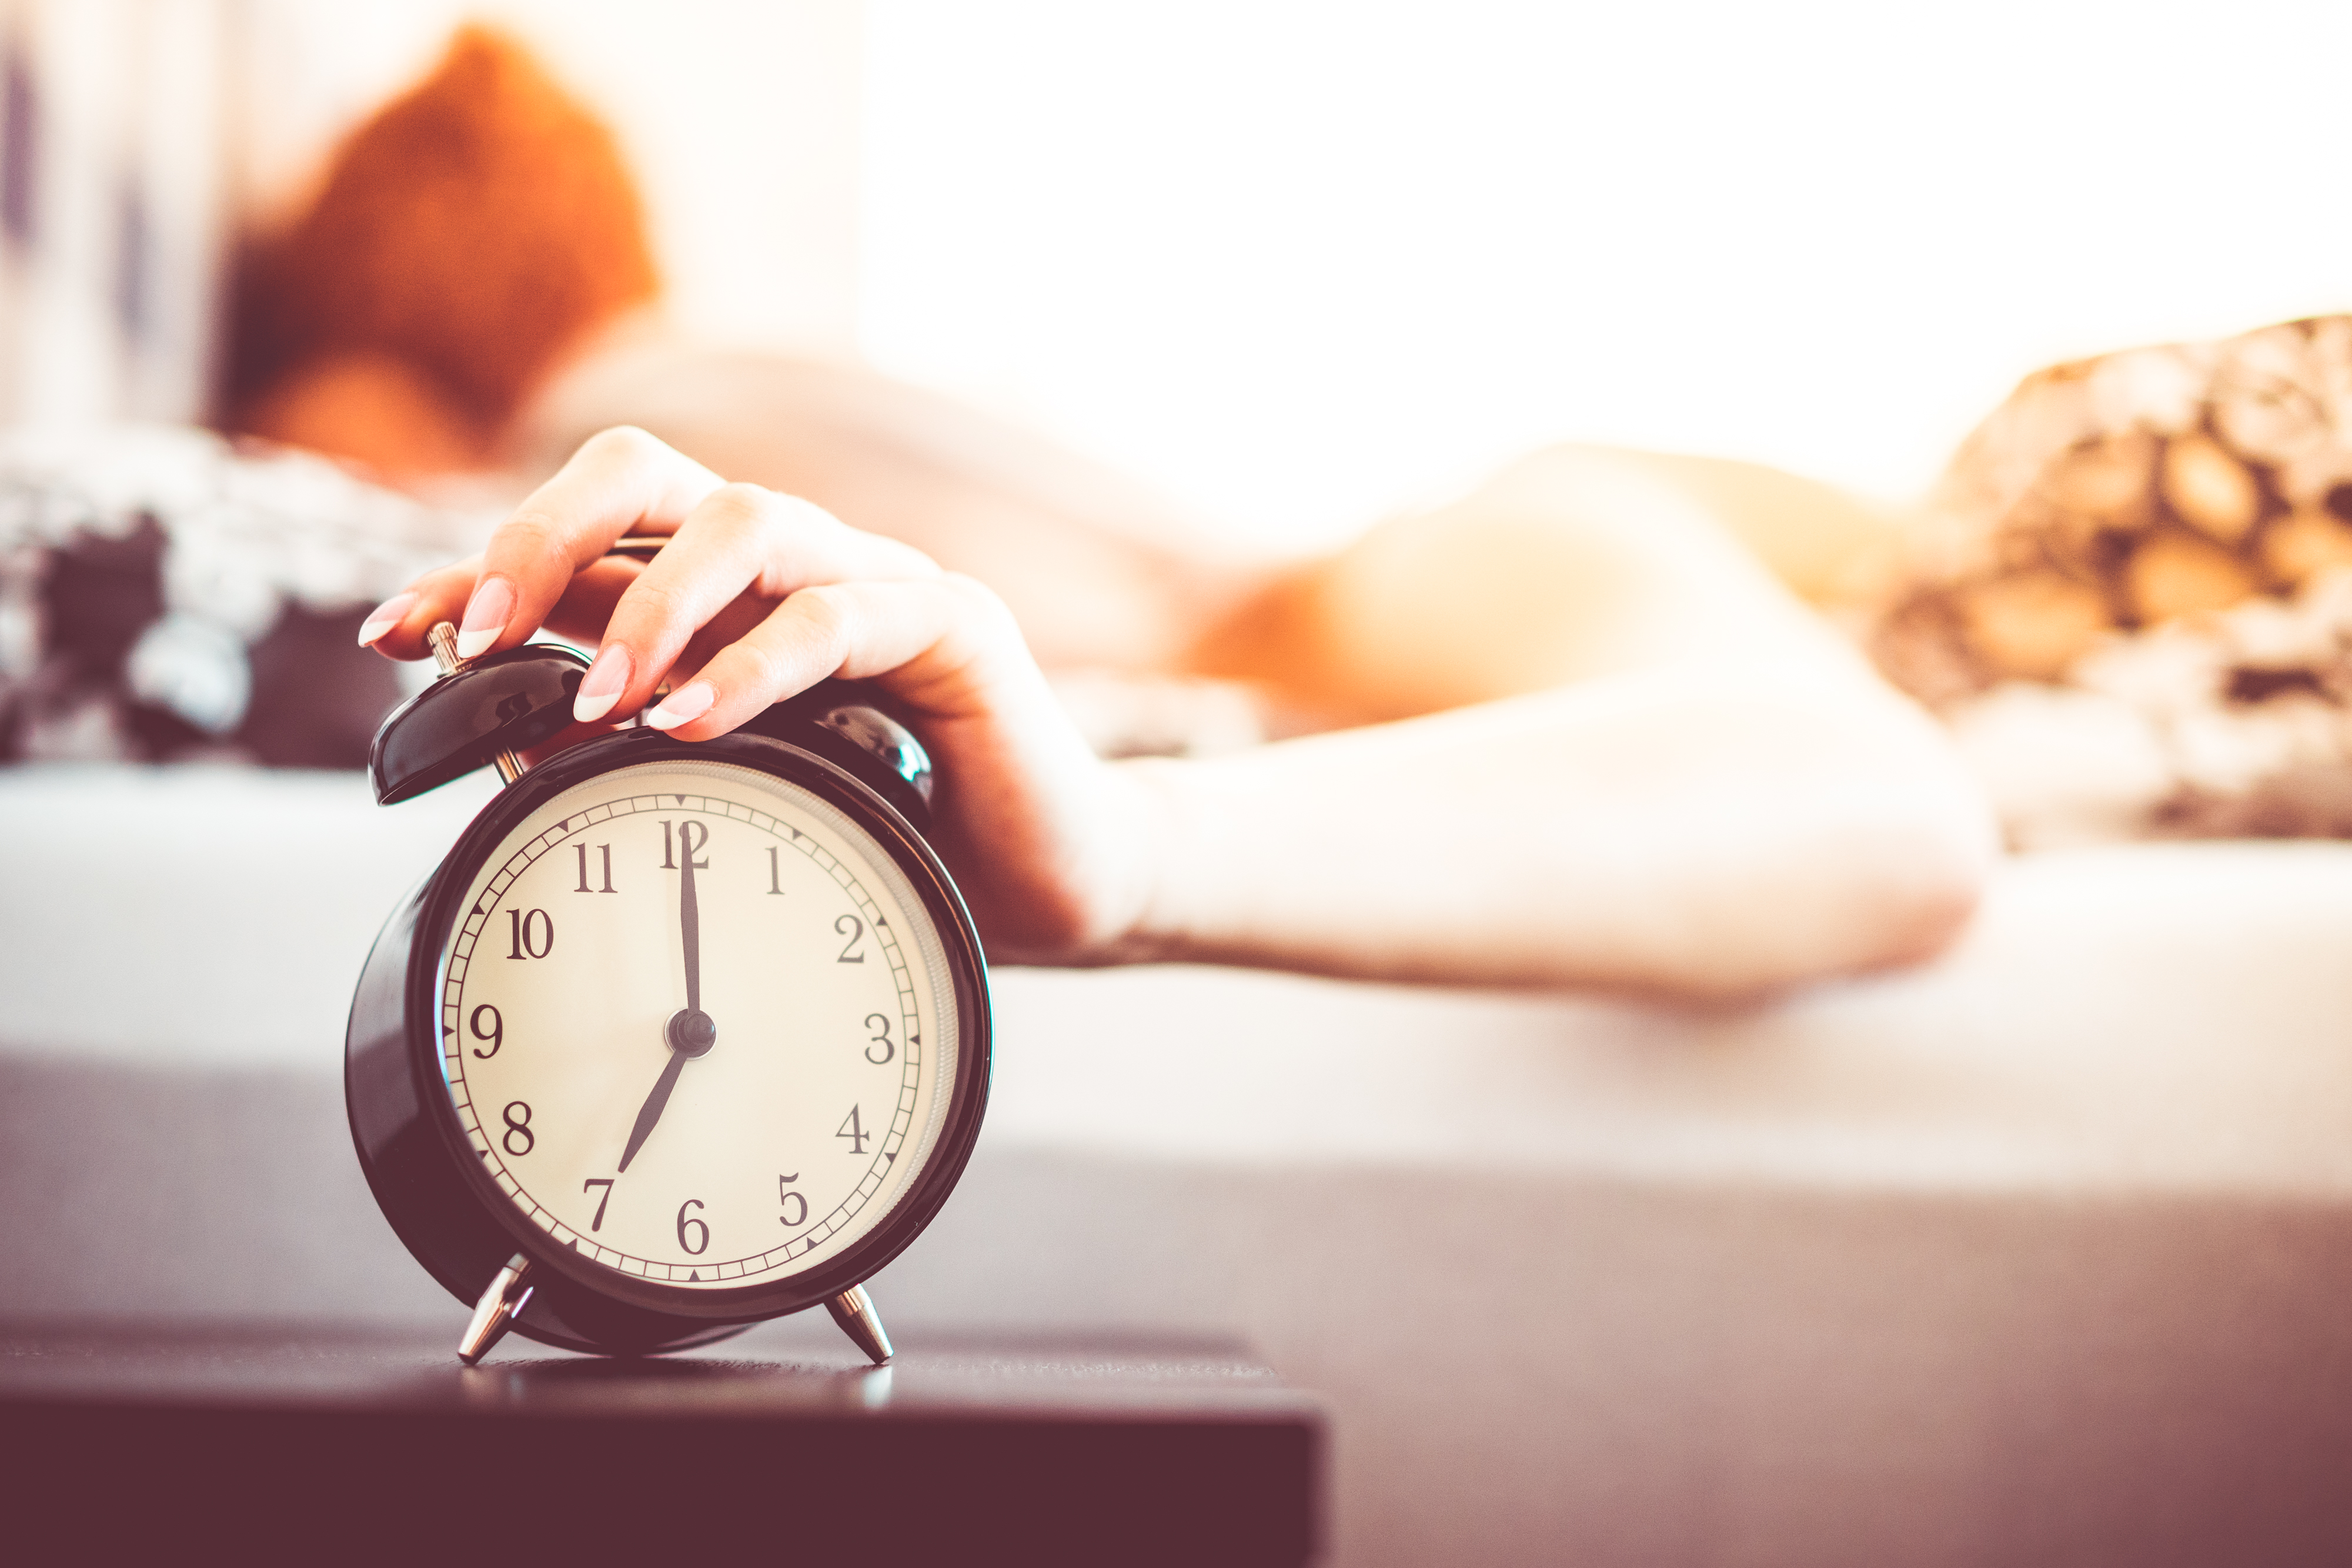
174, 1443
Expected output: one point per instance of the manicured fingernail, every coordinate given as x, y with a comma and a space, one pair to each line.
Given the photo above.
386, 616
600, 688
487, 614
682, 705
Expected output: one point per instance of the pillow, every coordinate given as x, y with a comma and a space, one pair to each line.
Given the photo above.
2133, 592
165, 596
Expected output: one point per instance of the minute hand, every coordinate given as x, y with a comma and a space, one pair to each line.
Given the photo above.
689, 914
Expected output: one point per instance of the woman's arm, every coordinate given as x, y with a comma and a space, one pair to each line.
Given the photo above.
1691, 831
1683, 825
1625, 754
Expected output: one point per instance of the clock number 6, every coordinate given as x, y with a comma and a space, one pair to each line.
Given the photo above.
517, 1127
694, 1249
496, 1034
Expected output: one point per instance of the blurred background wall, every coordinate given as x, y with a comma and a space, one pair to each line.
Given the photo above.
114, 205
142, 136
1299, 261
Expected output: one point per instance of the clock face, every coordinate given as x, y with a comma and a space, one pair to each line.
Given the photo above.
697, 1025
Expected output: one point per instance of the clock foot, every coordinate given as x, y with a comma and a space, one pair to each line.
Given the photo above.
854, 1311
510, 1293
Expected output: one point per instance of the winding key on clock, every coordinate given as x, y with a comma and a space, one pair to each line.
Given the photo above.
444, 638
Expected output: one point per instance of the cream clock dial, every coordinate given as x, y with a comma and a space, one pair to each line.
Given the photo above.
678, 1036
693, 1028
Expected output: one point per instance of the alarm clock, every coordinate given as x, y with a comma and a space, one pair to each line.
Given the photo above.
678, 1037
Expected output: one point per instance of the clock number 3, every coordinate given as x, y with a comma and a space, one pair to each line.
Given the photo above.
888, 1046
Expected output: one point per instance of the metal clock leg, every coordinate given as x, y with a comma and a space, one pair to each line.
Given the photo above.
854, 1311
510, 1293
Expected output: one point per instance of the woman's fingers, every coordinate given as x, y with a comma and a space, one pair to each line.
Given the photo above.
708, 603
397, 627
620, 481
741, 542
919, 632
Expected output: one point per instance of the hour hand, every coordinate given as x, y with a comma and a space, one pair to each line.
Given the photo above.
687, 1034
651, 1111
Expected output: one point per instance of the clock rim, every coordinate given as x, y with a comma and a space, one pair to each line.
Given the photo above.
703, 1307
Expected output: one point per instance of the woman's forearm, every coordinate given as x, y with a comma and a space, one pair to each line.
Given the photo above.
1696, 832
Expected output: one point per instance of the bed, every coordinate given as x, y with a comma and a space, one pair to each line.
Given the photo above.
2037, 1253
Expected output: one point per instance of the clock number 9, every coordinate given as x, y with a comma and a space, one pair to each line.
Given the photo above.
796, 1206
496, 1034
517, 1127
695, 1247
883, 1039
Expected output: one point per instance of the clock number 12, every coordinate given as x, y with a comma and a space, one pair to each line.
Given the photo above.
692, 835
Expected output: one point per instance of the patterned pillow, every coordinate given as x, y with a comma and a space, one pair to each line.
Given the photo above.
2133, 594
165, 596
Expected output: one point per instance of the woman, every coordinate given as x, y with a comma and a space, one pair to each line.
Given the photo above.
1608, 748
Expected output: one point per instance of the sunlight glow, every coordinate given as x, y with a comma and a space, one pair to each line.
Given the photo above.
1304, 262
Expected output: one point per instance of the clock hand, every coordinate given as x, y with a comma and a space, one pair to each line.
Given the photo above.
690, 1031
651, 1111
689, 914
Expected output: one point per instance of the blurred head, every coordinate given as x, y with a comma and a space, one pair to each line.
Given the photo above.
466, 237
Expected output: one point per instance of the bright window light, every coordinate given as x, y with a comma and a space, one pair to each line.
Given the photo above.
1306, 261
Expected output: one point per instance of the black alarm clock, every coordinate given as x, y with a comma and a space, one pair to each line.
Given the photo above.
678, 1037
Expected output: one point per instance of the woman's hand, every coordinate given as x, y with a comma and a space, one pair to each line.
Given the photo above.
760, 596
